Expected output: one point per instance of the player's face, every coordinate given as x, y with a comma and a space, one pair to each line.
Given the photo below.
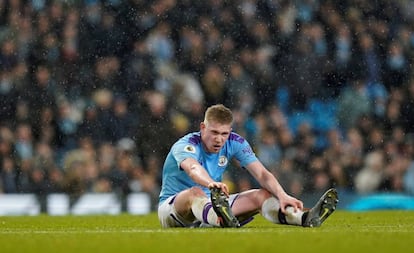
214, 135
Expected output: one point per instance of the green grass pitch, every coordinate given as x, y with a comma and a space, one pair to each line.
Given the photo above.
373, 231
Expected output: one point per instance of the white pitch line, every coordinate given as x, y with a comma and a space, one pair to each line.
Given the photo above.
386, 229
128, 231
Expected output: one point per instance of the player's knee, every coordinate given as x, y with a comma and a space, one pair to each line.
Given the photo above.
197, 192
262, 195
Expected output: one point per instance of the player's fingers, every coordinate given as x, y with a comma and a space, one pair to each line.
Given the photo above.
300, 205
283, 208
214, 185
225, 189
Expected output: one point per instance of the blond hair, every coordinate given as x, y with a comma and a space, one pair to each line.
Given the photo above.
218, 113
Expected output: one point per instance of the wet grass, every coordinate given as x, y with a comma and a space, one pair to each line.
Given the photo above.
379, 231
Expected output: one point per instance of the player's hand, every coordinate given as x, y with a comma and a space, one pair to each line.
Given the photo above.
224, 188
287, 200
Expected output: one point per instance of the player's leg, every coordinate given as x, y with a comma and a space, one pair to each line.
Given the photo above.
186, 208
258, 200
252, 202
167, 214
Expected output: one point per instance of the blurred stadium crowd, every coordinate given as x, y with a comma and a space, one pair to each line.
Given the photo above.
93, 93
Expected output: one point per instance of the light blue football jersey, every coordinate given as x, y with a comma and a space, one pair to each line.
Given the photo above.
175, 180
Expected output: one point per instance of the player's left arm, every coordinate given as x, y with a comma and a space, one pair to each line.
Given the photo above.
247, 158
269, 182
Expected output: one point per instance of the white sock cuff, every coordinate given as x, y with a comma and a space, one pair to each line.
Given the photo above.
270, 210
203, 211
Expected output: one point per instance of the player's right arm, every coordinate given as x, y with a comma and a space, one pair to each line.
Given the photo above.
200, 176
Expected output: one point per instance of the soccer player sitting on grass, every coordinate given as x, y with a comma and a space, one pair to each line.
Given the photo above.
193, 195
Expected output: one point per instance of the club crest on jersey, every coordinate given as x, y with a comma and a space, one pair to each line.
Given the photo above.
222, 161
190, 149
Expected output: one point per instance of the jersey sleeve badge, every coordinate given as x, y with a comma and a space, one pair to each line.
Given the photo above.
190, 149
